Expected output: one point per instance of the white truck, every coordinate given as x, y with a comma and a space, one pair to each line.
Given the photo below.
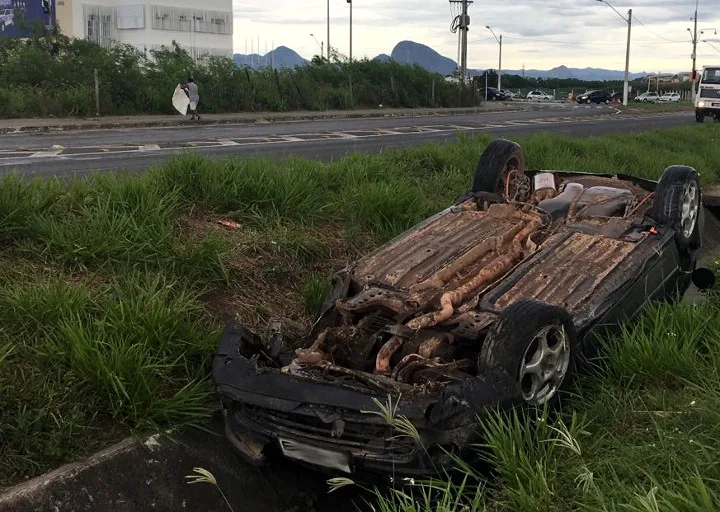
707, 101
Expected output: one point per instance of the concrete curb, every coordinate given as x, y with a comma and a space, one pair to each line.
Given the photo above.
135, 476
263, 118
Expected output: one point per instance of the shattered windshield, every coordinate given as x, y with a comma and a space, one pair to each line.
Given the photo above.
711, 76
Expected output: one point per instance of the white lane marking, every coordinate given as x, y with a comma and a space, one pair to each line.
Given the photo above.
227, 142
150, 147
46, 154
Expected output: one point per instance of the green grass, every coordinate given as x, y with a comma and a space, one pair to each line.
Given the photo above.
657, 107
113, 288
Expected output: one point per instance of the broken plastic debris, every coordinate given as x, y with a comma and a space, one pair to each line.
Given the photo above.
152, 442
229, 224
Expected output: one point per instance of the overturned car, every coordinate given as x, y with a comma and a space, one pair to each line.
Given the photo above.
488, 304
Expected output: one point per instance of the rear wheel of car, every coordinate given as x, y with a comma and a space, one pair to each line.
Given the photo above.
534, 341
499, 158
677, 204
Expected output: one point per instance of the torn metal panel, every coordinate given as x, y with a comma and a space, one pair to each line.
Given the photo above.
416, 257
568, 275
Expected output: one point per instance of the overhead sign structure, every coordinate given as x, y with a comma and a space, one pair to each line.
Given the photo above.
18, 17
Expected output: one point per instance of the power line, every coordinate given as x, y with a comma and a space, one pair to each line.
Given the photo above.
568, 43
572, 43
635, 18
712, 45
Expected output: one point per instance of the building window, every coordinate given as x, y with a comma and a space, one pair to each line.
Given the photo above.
99, 24
191, 20
130, 17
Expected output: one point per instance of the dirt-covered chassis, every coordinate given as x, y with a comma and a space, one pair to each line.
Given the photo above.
490, 303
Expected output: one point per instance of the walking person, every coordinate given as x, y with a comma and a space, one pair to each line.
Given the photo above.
191, 89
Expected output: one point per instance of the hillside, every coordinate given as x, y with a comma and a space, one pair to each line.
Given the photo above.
281, 57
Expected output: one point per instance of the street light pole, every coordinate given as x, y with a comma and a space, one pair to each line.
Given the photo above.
499, 40
322, 48
694, 53
626, 85
328, 28
351, 38
500, 66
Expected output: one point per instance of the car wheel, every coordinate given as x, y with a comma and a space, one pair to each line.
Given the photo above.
700, 118
534, 341
677, 204
607, 102
498, 158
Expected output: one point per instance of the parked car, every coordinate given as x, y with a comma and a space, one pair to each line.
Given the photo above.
6, 18
488, 305
647, 97
539, 96
594, 97
509, 94
671, 97
494, 95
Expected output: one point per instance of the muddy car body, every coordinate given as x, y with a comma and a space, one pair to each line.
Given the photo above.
488, 304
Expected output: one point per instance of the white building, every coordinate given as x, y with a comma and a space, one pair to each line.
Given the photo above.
202, 28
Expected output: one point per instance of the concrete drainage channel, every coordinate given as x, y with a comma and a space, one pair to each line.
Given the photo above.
150, 474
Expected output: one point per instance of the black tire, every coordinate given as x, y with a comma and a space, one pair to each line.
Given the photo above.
511, 342
497, 158
676, 185
700, 118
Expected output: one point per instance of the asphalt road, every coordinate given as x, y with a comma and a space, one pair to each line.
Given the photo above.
73, 153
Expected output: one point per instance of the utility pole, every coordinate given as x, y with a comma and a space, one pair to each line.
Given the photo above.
694, 52
463, 23
464, 28
628, 20
328, 28
627, 60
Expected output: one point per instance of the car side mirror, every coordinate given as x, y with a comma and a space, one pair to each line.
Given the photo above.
703, 278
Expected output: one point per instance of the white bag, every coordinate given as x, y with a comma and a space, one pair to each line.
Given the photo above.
180, 100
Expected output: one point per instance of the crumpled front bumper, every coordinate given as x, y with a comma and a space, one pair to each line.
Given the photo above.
306, 419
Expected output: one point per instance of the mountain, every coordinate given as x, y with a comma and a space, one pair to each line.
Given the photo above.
409, 52
590, 74
281, 57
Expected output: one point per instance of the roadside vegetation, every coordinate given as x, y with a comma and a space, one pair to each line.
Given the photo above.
52, 75
657, 107
113, 290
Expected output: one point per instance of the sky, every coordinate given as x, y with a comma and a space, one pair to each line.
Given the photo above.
539, 34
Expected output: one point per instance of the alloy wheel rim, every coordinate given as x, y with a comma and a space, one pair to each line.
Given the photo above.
544, 365
690, 208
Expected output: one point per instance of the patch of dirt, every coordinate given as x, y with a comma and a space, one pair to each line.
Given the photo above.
269, 266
